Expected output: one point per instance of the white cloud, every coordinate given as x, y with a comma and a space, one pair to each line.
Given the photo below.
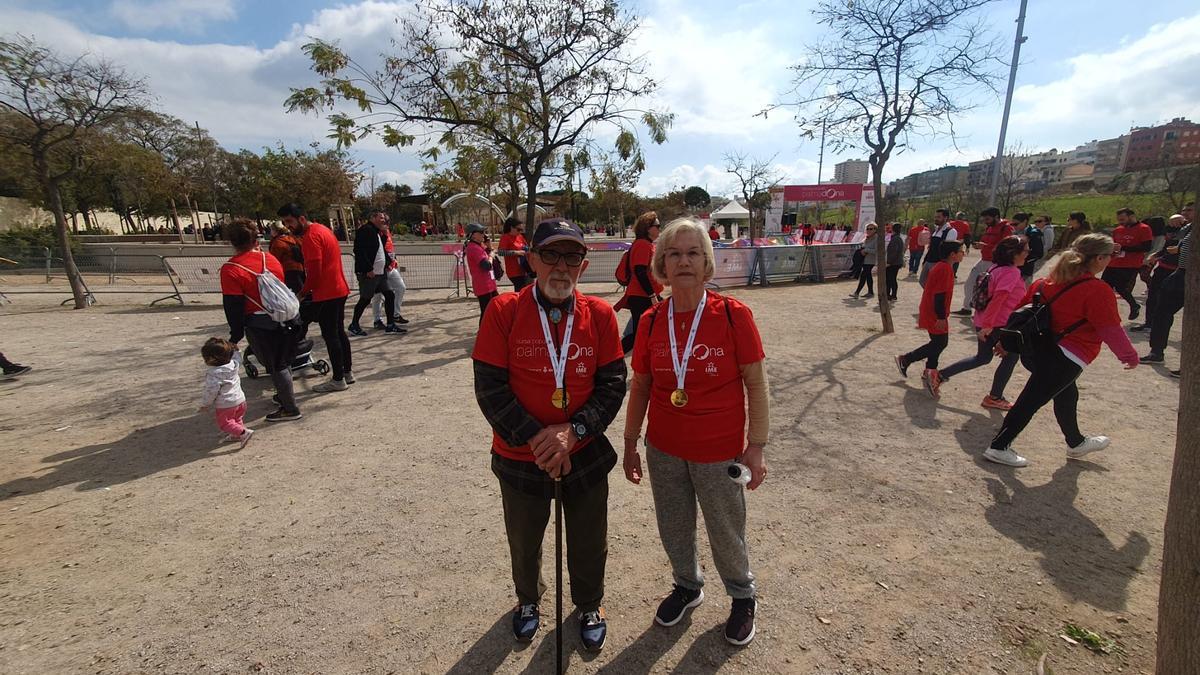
717, 181
413, 179
141, 15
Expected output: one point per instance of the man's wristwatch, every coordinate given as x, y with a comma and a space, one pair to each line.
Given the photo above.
580, 429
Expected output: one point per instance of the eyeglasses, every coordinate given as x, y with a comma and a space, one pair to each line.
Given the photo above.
551, 257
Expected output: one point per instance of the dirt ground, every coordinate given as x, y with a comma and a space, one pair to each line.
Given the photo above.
368, 538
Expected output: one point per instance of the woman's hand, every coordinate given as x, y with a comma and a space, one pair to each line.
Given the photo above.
632, 462
753, 458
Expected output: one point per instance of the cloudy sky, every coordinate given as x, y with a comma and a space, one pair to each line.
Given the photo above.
1085, 74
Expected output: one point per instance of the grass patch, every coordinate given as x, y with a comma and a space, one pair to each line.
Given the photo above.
1092, 640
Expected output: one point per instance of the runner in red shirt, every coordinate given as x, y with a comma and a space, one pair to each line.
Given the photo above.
271, 344
550, 378
698, 360
934, 311
1087, 314
1132, 240
326, 283
916, 247
995, 230
643, 290
514, 248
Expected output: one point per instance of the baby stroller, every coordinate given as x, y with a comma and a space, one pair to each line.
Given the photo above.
302, 360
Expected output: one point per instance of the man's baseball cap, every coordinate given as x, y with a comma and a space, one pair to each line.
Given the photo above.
557, 229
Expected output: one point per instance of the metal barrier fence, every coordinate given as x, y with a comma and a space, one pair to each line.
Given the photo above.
197, 275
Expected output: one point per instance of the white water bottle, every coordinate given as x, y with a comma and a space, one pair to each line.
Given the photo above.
739, 473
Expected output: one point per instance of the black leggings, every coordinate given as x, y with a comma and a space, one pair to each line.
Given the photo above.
331, 317
893, 284
483, 302
983, 356
637, 306
1052, 379
1154, 293
864, 277
1168, 304
1122, 279
930, 351
367, 288
275, 348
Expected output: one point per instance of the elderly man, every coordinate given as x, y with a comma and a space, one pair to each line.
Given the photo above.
549, 378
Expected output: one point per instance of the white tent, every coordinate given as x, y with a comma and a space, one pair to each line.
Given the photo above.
731, 211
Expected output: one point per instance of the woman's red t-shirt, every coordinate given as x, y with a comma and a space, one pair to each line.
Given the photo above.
712, 426
641, 253
237, 281
1090, 300
512, 264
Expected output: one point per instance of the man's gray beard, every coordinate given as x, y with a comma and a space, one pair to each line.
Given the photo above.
555, 295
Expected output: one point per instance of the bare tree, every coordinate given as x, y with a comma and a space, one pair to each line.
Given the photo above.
52, 103
892, 70
755, 177
536, 78
1178, 613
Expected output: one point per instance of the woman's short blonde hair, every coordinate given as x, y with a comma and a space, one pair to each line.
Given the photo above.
666, 239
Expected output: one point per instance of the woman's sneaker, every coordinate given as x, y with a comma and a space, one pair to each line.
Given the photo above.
674, 606
1006, 457
355, 329
996, 403
933, 382
739, 629
1089, 445
15, 370
525, 622
349, 376
902, 365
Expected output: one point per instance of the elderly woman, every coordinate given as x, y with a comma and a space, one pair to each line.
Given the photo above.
698, 357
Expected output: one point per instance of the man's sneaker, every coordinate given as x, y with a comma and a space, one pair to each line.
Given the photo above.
355, 329
16, 370
854, 295
1152, 358
868, 296
1140, 328
245, 437
1176, 374
1005, 456
739, 629
933, 382
525, 622
902, 365
393, 328
965, 311
379, 324
1135, 312
996, 402
400, 319
1089, 445
282, 415
674, 606
349, 376
593, 630
331, 386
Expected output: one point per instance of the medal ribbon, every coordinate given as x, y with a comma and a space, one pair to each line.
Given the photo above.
558, 358
680, 362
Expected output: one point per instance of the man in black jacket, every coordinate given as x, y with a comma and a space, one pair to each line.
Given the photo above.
371, 262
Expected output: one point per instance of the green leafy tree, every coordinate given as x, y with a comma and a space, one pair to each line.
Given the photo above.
696, 198
53, 101
534, 79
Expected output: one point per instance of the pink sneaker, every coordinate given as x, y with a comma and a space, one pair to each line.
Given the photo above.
995, 403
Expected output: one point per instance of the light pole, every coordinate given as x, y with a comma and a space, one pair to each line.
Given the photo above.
1012, 81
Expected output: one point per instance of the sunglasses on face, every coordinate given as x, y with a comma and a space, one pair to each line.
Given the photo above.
551, 257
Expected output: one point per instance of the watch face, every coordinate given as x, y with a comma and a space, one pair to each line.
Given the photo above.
580, 430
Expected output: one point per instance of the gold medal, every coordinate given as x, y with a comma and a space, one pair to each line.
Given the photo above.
560, 399
679, 398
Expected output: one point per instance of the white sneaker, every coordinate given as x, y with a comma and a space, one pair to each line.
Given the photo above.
1005, 456
1089, 445
226, 438
331, 386
245, 437
349, 377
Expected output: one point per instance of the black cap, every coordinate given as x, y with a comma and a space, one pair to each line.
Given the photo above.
557, 229
990, 211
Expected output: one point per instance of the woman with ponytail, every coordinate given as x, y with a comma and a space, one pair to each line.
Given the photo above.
1083, 317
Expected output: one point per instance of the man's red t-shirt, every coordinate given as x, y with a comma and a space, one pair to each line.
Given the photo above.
992, 236
1090, 300
513, 241
322, 264
510, 337
237, 281
941, 280
1131, 235
712, 426
641, 253
962, 227
914, 238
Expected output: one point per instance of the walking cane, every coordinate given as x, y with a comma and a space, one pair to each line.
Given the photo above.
558, 575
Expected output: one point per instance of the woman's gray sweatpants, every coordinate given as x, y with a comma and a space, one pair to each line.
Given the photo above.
677, 485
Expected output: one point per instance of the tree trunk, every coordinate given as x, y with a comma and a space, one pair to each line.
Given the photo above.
175, 217
1178, 610
531, 182
54, 199
87, 220
885, 307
